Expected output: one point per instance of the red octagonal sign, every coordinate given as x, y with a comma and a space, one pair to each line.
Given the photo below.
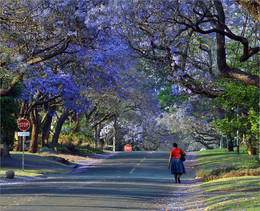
23, 124
128, 148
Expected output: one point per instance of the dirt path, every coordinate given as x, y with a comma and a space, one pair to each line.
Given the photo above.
188, 195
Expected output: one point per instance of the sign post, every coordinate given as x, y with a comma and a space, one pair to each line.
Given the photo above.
23, 124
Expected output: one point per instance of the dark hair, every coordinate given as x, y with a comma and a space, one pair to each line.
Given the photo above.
174, 145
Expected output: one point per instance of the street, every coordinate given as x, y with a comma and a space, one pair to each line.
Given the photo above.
125, 181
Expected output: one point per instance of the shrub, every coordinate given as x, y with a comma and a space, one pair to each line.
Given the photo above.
75, 150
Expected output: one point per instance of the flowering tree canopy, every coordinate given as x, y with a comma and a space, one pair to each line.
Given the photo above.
83, 57
181, 35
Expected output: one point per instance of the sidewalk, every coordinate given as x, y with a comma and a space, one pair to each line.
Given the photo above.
195, 197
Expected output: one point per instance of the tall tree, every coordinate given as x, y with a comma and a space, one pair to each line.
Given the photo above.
160, 31
241, 106
36, 32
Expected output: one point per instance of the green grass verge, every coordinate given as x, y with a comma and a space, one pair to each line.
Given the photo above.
221, 158
228, 185
218, 163
50, 166
33, 173
19, 172
236, 193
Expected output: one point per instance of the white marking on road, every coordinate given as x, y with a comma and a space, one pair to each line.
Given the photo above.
132, 171
143, 159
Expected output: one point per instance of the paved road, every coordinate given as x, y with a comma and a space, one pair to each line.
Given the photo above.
126, 181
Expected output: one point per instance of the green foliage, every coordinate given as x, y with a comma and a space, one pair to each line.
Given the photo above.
8, 121
235, 52
252, 125
237, 100
226, 126
238, 94
167, 98
89, 150
76, 150
9, 111
84, 134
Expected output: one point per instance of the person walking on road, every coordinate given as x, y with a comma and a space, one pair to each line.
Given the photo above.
175, 163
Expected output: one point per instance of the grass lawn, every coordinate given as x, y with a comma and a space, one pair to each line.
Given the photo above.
227, 191
219, 158
237, 193
19, 172
35, 165
39, 164
31, 172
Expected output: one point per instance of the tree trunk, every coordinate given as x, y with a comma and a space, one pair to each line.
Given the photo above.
252, 7
60, 122
5, 151
230, 146
35, 131
98, 143
34, 139
76, 120
114, 135
106, 140
19, 145
96, 137
23, 110
46, 129
252, 150
76, 128
237, 149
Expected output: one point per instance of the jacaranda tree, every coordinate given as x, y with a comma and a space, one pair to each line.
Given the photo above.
169, 31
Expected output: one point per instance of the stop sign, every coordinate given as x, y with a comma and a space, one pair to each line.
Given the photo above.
128, 148
23, 124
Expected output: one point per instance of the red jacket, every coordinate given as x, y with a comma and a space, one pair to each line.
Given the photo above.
176, 152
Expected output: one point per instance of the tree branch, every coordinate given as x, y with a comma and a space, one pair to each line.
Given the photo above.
252, 7
51, 55
6, 92
224, 69
17, 78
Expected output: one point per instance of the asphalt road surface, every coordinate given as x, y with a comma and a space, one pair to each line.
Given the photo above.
125, 181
